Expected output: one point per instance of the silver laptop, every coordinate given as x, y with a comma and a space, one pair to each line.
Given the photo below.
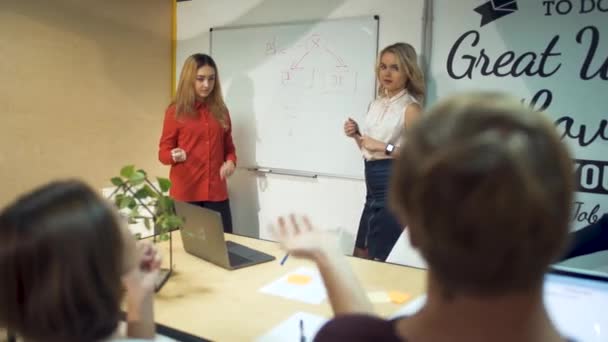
203, 236
577, 302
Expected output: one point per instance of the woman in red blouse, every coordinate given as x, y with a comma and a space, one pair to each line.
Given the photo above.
197, 139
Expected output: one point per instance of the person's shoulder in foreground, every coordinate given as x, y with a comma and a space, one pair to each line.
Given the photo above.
358, 327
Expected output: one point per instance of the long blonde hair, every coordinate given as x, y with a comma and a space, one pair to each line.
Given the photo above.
185, 96
408, 62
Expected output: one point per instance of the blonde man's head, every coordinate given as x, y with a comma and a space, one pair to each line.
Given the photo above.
486, 187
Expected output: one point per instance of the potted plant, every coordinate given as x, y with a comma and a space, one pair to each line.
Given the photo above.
140, 200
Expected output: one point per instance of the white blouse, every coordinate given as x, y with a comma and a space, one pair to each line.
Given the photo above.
385, 121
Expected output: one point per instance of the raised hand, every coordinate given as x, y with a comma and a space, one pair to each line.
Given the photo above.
140, 280
301, 239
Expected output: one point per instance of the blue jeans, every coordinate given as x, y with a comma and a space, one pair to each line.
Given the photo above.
378, 227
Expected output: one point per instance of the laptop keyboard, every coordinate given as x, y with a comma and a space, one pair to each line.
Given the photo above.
240, 255
236, 260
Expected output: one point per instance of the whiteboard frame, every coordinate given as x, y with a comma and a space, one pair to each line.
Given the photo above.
259, 169
296, 22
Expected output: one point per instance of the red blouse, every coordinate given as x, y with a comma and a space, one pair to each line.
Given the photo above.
207, 145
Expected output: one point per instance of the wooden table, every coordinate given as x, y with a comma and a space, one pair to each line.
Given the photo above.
209, 301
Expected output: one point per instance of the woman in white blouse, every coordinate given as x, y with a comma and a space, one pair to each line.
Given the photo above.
398, 105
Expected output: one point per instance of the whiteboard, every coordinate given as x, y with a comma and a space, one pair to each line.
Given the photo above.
290, 87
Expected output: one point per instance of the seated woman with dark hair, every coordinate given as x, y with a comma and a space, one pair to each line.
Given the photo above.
485, 187
65, 261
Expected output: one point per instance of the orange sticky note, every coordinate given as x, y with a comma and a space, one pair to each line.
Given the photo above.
398, 297
298, 279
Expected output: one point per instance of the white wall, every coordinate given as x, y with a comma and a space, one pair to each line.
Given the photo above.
258, 199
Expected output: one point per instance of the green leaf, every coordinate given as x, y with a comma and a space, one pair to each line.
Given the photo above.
123, 202
164, 237
164, 184
126, 201
133, 204
174, 221
165, 205
142, 193
147, 223
127, 171
150, 191
142, 171
138, 236
117, 181
134, 212
137, 178
118, 199
165, 225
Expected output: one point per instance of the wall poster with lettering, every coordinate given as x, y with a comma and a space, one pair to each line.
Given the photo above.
553, 55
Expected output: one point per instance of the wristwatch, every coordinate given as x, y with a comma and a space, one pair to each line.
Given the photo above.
389, 149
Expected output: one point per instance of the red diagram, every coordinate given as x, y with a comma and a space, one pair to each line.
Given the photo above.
302, 73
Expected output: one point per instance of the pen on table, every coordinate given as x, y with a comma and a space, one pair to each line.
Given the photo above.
284, 259
302, 337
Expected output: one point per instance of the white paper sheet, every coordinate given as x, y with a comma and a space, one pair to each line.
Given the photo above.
289, 329
378, 297
410, 308
312, 292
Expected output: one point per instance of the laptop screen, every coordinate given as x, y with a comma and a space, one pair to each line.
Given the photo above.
578, 305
